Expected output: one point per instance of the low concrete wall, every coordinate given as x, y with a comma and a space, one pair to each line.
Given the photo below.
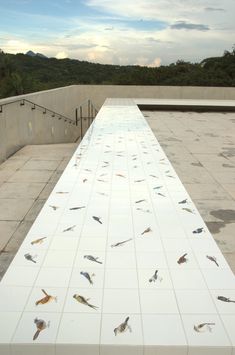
20, 126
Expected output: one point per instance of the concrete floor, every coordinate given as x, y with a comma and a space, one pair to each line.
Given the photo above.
201, 147
26, 181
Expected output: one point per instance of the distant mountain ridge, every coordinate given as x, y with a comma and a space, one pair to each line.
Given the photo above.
32, 54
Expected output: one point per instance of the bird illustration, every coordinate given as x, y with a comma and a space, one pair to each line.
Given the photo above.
92, 258
77, 208
147, 230
100, 180
187, 210
62, 192
203, 327
141, 180
139, 201
198, 230
155, 277
122, 327
69, 229
159, 193
84, 301
225, 299
30, 257
38, 241
97, 219
213, 259
88, 170
120, 175
84, 180
87, 276
170, 176
48, 298
183, 259
54, 207
183, 202
102, 194
142, 210
154, 176
41, 325
157, 187
120, 243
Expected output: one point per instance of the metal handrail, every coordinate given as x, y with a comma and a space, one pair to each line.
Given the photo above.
91, 110
44, 109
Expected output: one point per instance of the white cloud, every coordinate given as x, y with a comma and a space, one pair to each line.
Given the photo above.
61, 55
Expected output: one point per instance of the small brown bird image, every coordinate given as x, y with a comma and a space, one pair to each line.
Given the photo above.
84, 301
54, 207
41, 325
48, 298
38, 241
123, 327
203, 327
120, 175
213, 259
182, 259
97, 219
70, 229
147, 230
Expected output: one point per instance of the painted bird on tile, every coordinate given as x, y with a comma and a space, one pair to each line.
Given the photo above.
84, 301
147, 230
120, 243
54, 207
97, 219
77, 208
213, 259
155, 277
187, 210
38, 241
29, 257
157, 187
203, 327
69, 229
159, 193
123, 327
141, 180
92, 258
120, 175
225, 299
84, 180
182, 259
198, 230
183, 202
139, 201
154, 176
87, 276
48, 298
41, 325
62, 192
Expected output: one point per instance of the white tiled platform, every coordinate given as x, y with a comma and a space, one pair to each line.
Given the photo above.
120, 175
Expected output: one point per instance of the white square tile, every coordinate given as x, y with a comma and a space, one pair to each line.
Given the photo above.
79, 329
20, 276
59, 258
120, 260
158, 301
8, 324
151, 260
219, 279
121, 301
9, 302
92, 296
229, 321
78, 279
195, 302
53, 277
164, 330
64, 243
132, 336
153, 244
187, 279
121, 278
92, 244
176, 245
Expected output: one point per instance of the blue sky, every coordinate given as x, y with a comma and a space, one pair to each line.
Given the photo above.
144, 32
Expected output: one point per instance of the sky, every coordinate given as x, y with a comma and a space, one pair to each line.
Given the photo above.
121, 32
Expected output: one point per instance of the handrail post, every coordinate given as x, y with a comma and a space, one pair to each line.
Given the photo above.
81, 121
76, 116
89, 111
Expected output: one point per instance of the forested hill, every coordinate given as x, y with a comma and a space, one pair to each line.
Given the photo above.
22, 73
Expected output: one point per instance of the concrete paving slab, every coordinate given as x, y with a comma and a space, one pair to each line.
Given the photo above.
34, 164
21, 190
34, 210
18, 236
31, 176
7, 229
14, 209
46, 190
230, 188
12, 164
207, 192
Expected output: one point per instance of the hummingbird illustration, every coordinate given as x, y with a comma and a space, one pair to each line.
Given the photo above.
122, 327
213, 259
38, 241
97, 219
155, 277
203, 327
87, 276
183, 259
139, 201
84, 301
41, 325
48, 298
120, 243
147, 230
29, 257
183, 202
54, 207
198, 230
92, 258
70, 229
77, 208
225, 299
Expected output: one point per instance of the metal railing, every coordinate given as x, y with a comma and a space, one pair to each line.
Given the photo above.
85, 112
